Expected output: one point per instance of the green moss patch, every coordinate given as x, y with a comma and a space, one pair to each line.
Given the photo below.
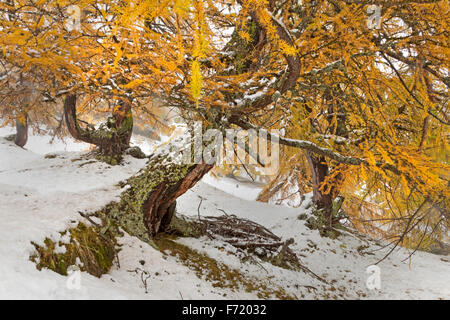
90, 249
219, 274
111, 160
317, 221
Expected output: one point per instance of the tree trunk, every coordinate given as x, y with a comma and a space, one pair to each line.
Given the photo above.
319, 172
324, 192
112, 138
147, 206
21, 136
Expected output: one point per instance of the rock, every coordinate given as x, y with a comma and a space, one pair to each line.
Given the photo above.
136, 152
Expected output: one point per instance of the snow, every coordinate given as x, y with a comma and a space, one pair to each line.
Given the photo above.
238, 189
41, 196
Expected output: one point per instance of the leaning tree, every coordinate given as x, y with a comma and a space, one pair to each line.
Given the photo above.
346, 104
346, 94
81, 59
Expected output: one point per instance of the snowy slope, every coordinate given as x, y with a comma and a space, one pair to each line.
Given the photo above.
40, 196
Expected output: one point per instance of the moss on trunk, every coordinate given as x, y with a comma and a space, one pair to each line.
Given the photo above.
112, 137
147, 204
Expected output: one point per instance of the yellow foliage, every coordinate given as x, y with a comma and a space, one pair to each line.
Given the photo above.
196, 80
379, 97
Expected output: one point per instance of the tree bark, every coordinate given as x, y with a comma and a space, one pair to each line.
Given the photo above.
324, 192
147, 206
21, 136
319, 172
112, 138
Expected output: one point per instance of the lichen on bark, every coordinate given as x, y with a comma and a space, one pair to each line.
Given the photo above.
147, 204
112, 137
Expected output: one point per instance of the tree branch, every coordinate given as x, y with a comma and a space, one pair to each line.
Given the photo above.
312, 147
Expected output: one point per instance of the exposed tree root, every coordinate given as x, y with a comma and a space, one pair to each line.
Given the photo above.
246, 235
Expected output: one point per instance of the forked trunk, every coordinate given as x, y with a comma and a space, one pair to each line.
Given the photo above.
112, 138
159, 208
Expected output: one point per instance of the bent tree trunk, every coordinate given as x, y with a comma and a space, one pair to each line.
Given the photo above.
21, 136
147, 205
112, 138
322, 200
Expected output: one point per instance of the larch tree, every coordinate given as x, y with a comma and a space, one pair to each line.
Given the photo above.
363, 98
371, 97
84, 58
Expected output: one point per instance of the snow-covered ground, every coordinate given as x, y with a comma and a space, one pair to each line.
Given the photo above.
41, 196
